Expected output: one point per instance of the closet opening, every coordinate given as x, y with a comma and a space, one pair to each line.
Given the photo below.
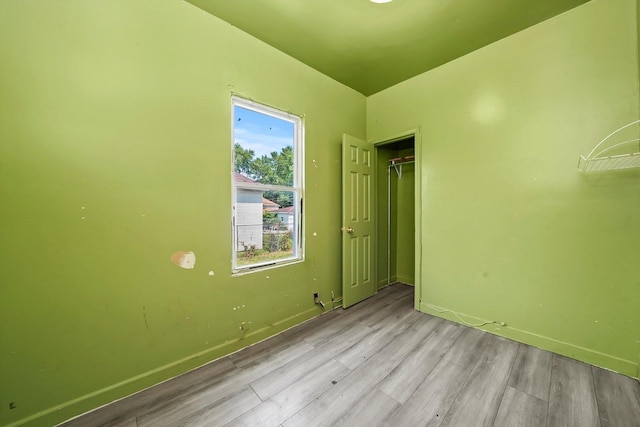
395, 211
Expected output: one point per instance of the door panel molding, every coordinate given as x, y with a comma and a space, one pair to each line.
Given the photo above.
358, 221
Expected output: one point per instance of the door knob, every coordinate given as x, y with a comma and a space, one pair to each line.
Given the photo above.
348, 229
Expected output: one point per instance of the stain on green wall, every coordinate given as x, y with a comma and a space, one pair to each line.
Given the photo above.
511, 231
116, 154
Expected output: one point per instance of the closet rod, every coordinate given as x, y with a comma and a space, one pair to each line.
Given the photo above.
398, 162
406, 159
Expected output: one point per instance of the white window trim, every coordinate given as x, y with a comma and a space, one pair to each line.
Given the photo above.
297, 188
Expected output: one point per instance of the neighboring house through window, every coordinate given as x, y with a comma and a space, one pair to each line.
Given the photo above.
286, 215
267, 185
248, 215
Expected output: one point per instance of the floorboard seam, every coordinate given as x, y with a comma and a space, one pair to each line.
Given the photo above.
506, 384
390, 397
254, 392
595, 394
546, 423
454, 398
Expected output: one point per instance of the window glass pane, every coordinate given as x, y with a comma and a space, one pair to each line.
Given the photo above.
267, 147
265, 230
263, 147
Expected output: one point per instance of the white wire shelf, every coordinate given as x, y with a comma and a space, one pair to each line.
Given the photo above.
598, 159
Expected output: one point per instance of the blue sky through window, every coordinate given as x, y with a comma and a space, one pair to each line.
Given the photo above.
260, 132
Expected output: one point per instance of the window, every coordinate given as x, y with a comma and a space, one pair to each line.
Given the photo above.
267, 186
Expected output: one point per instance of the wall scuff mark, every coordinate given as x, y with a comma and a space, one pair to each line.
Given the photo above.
184, 259
144, 315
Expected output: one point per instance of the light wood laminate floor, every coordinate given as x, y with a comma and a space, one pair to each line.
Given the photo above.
382, 363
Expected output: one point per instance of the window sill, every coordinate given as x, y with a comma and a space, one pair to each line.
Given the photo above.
262, 267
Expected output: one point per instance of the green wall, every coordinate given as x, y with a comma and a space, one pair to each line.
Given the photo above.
115, 153
511, 231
